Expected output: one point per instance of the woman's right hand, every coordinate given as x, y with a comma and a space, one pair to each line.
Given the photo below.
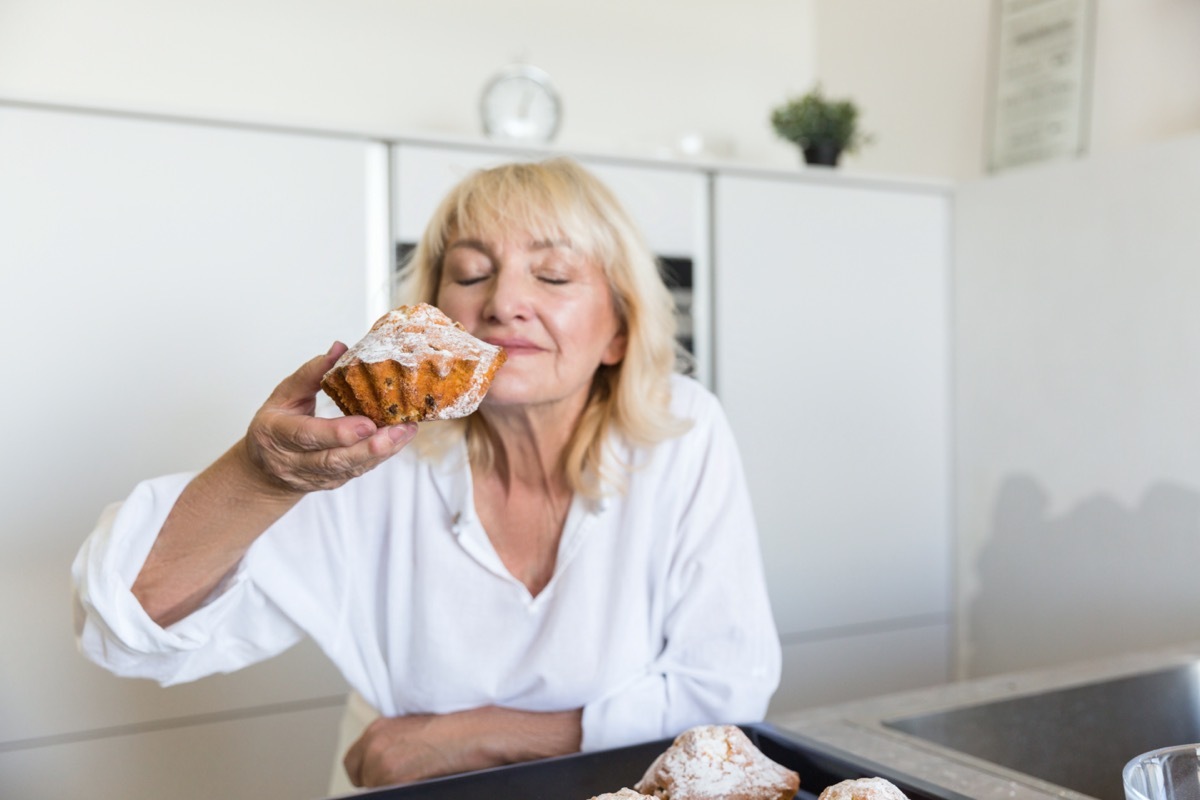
296, 452
286, 452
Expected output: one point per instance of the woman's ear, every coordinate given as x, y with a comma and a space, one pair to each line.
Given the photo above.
615, 352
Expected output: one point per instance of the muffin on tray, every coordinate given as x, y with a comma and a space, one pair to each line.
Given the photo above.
717, 762
863, 789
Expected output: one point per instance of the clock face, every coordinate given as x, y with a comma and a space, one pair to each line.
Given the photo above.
520, 105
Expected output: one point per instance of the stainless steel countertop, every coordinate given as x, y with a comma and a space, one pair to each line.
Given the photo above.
857, 729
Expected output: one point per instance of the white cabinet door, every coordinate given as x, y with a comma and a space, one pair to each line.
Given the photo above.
159, 280
669, 205
832, 361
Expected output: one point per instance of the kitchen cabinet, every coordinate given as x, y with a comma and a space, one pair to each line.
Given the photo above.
159, 279
832, 359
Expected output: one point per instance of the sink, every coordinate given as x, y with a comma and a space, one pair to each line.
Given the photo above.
1077, 737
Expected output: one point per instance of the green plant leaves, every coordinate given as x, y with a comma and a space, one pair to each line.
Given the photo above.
812, 118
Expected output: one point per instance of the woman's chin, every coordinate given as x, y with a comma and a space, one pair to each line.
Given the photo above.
506, 394
515, 387
514, 393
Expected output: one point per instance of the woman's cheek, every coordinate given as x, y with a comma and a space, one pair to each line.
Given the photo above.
448, 301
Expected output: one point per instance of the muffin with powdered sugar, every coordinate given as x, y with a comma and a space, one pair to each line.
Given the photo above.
717, 762
414, 365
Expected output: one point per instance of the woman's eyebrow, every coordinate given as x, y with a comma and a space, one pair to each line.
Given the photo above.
469, 244
550, 244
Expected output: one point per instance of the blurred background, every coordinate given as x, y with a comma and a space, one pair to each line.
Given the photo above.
989, 455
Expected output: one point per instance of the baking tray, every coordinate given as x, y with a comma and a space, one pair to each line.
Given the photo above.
584, 775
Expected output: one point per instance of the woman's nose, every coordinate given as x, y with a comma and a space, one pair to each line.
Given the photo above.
509, 298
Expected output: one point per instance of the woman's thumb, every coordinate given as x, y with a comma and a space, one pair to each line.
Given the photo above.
302, 384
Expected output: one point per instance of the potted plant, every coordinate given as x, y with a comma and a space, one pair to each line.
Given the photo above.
822, 128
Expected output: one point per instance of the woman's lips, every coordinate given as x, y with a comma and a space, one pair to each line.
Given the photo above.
515, 346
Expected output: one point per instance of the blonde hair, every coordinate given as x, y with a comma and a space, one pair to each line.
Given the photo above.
551, 201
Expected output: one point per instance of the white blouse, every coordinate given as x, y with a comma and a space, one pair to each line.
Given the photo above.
656, 618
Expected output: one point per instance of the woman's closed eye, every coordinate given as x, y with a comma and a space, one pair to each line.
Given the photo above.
555, 271
463, 272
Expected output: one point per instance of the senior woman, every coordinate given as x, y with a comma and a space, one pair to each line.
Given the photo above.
574, 566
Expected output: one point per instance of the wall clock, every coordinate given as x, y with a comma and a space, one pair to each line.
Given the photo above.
520, 104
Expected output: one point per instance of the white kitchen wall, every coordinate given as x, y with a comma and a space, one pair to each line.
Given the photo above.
635, 76
1147, 72
918, 69
1077, 406
921, 71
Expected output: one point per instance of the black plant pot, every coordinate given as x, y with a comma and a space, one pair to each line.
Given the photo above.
822, 154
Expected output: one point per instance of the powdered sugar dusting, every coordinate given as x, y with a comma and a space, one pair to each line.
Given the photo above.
410, 335
714, 761
863, 789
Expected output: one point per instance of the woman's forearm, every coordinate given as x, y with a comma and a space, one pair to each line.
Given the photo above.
526, 735
216, 519
286, 453
419, 746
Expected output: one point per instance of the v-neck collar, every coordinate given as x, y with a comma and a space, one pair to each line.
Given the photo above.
455, 483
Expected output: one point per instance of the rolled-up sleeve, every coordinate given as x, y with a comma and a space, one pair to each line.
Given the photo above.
236, 626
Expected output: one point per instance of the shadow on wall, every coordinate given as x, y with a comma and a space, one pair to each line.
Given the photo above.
1097, 580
